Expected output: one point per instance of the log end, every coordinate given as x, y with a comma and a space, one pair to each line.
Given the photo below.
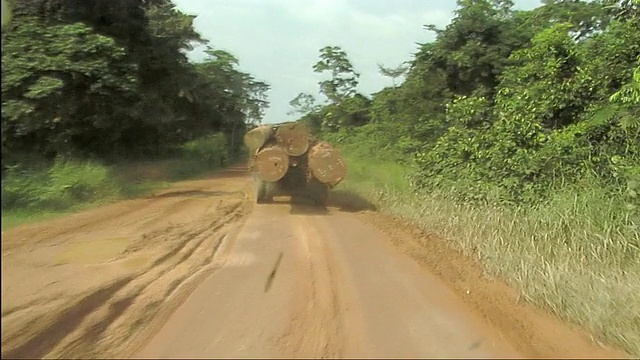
327, 164
294, 138
271, 163
296, 146
256, 138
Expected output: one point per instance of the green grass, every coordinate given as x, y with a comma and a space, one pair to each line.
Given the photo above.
375, 176
19, 217
577, 255
35, 196
39, 192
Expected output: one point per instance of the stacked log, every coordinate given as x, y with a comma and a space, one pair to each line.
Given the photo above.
294, 138
256, 138
326, 164
274, 148
271, 163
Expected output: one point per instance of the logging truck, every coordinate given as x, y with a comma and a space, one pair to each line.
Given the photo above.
287, 160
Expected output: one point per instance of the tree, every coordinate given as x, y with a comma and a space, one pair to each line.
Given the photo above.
303, 104
344, 79
586, 18
255, 99
393, 73
622, 9
59, 84
6, 14
473, 50
111, 78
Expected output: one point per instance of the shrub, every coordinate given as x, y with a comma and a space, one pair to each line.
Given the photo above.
211, 151
65, 184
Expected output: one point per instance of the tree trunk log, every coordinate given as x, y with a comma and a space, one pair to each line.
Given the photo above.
326, 164
271, 163
293, 137
257, 138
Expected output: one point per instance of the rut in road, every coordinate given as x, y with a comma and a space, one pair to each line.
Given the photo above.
317, 323
340, 290
93, 284
298, 281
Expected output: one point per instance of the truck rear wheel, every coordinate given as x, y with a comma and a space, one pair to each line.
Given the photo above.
318, 193
263, 194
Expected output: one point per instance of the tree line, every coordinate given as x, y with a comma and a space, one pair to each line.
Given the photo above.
111, 80
505, 105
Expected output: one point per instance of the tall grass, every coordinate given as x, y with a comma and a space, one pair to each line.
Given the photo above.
36, 192
201, 156
65, 184
577, 255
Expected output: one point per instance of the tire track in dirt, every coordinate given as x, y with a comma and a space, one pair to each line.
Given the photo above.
316, 326
147, 292
336, 294
246, 285
114, 317
63, 323
36, 234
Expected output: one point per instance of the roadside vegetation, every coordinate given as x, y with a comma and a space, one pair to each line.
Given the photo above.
39, 192
515, 136
93, 112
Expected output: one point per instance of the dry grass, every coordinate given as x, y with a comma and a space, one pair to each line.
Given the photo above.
578, 255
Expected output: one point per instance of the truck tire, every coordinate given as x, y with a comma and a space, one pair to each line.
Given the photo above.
318, 193
264, 195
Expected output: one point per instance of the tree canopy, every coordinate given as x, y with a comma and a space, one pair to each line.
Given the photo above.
111, 79
507, 105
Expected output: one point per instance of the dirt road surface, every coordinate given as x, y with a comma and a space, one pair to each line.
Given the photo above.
200, 271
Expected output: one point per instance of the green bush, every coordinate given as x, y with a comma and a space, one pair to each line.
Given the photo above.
212, 151
200, 156
384, 141
65, 184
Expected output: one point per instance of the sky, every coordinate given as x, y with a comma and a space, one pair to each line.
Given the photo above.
278, 41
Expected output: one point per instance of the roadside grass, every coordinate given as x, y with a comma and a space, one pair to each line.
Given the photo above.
375, 176
45, 191
577, 255
13, 218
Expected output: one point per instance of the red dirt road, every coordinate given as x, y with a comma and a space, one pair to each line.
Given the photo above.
309, 285
242, 280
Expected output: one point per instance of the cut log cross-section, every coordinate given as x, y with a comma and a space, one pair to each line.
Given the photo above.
326, 164
257, 138
293, 137
271, 163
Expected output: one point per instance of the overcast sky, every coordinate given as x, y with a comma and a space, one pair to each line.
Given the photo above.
278, 41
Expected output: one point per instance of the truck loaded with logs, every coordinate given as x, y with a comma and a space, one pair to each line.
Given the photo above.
287, 160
